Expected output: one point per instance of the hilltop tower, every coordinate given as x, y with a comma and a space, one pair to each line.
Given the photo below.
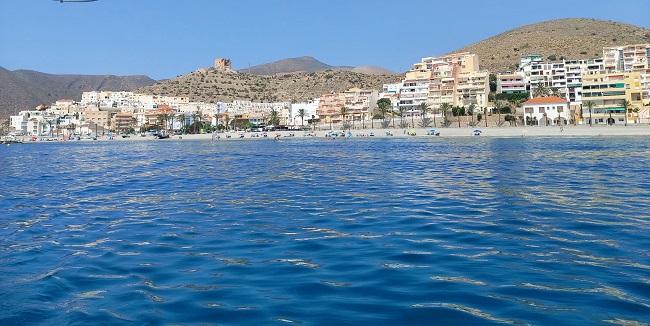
223, 64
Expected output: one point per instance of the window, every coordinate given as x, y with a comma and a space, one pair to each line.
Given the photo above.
542, 110
560, 109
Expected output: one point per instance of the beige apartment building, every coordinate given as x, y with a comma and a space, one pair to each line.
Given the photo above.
627, 57
455, 79
329, 107
101, 118
359, 105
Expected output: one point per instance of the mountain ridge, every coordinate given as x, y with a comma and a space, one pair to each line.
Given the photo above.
23, 89
306, 64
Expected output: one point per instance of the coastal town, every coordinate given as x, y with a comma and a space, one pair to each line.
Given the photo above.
437, 92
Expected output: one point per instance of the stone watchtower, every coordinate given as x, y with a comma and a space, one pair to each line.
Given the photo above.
223, 64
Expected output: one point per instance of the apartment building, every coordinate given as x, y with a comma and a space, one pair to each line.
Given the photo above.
608, 91
123, 121
360, 103
539, 73
101, 118
511, 83
472, 88
414, 89
574, 71
391, 92
453, 79
627, 57
309, 108
329, 107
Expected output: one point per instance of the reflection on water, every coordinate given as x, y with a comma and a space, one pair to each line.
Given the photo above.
440, 231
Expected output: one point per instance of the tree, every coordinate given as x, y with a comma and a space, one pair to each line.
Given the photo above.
590, 106
541, 91
343, 112
498, 105
470, 111
424, 109
274, 118
384, 106
401, 111
445, 107
301, 113
626, 106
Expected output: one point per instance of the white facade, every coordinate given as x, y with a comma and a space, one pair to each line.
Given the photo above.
546, 111
309, 107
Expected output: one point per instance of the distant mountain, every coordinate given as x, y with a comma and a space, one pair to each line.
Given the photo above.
571, 38
307, 64
24, 89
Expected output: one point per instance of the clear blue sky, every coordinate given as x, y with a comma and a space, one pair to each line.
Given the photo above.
165, 38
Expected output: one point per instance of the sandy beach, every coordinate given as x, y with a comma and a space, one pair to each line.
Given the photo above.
567, 131
551, 131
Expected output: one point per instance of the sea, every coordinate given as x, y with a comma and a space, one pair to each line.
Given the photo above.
426, 231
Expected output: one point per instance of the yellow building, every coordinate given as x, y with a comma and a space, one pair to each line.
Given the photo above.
608, 92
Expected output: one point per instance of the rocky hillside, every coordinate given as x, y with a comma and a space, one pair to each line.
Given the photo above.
215, 85
574, 38
24, 89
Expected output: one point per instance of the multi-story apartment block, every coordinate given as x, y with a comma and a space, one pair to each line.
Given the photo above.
511, 83
627, 57
309, 108
473, 88
391, 92
538, 73
608, 91
414, 89
453, 79
360, 103
329, 108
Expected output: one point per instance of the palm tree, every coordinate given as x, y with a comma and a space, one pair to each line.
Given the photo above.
274, 118
470, 110
424, 109
401, 110
343, 111
626, 105
541, 91
445, 107
590, 106
498, 105
301, 113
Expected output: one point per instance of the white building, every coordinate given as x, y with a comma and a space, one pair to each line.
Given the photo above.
546, 111
33, 123
309, 108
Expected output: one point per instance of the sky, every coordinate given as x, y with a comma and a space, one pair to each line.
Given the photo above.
166, 38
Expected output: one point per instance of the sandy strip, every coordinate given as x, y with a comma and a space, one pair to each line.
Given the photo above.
567, 131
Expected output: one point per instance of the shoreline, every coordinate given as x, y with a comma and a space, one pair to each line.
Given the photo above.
449, 132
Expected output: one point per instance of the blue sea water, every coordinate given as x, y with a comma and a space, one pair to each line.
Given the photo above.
312, 232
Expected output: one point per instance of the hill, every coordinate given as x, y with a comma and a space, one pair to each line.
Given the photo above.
307, 64
572, 38
289, 65
215, 85
24, 89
